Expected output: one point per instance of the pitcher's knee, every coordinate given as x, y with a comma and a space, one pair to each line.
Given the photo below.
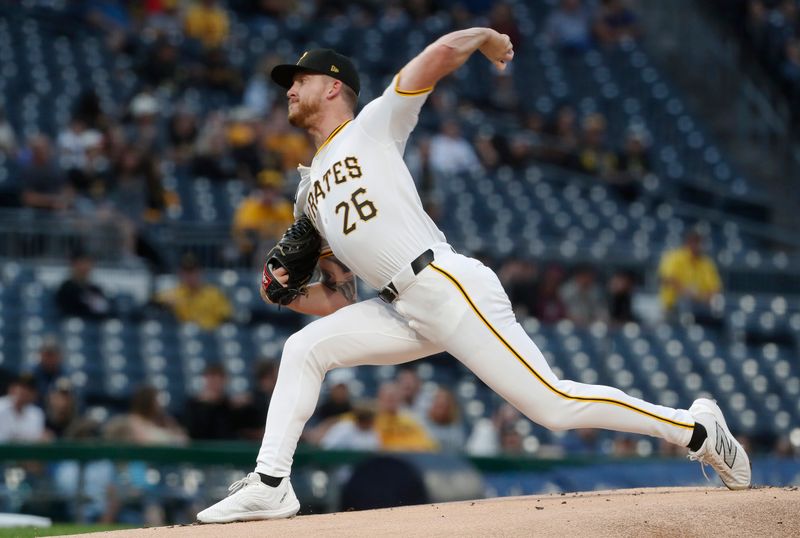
299, 350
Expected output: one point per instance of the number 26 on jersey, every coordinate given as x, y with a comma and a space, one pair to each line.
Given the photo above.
357, 208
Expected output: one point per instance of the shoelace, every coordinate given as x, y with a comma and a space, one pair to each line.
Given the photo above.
239, 484
694, 456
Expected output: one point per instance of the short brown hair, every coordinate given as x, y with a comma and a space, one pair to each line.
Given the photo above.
349, 96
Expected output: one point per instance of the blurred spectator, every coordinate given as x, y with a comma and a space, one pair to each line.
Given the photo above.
61, 409
620, 297
139, 193
253, 414
563, 136
77, 296
43, 184
161, 64
419, 10
211, 413
791, 62
138, 199
567, 27
242, 134
398, 429
504, 96
212, 158
147, 423
72, 143
632, 164
20, 419
785, 17
217, 73
193, 301
582, 442
145, 133
549, 307
268, 9
49, 368
182, 134
163, 20
207, 22
286, 143
8, 139
483, 439
413, 400
338, 399
511, 441
502, 19
583, 297
486, 437
593, 156
484, 143
624, 445
113, 19
354, 431
757, 21
418, 159
262, 217
519, 150
260, 93
89, 110
689, 278
616, 22
519, 277
451, 153
115, 143
90, 181
443, 421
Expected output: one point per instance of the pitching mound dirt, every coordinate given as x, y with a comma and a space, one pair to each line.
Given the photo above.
646, 512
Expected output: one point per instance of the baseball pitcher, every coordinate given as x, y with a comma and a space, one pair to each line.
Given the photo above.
359, 197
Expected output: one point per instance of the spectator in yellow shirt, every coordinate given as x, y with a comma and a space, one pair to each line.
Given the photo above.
397, 429
208, 23
262, 217
193, 301
688, 276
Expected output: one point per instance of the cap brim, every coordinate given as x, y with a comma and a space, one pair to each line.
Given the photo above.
283, 75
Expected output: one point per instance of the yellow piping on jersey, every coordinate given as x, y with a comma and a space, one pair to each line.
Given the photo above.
330, 136
409, 93
539, 376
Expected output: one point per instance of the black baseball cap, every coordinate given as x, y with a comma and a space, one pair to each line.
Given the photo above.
322, 61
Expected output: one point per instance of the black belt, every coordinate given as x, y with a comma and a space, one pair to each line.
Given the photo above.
390, 293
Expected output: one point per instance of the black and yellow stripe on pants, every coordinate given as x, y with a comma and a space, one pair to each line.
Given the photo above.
555, 390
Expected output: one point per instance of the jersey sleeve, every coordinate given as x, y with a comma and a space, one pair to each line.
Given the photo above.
391, 117
302, 191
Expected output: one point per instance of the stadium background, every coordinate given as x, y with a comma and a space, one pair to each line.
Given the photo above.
143, 149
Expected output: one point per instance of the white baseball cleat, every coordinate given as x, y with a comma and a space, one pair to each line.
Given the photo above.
249, 499
721, 450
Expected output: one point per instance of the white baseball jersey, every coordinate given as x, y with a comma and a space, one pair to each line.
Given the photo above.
363, 200
360, 194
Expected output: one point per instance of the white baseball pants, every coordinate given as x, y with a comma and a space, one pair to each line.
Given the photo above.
457, 305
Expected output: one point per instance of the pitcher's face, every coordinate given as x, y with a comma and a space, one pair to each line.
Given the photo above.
305, 99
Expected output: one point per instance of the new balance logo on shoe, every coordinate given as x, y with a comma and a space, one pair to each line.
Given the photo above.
726, 447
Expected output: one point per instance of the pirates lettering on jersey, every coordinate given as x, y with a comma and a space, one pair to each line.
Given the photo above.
339, 172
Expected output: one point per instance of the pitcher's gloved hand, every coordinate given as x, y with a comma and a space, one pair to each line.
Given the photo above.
297, 253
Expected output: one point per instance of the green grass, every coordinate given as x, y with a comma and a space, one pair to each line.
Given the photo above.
59, 529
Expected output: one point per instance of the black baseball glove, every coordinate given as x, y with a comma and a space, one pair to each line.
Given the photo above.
297, 252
